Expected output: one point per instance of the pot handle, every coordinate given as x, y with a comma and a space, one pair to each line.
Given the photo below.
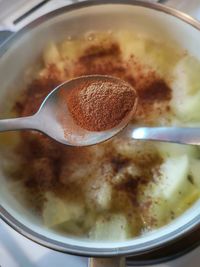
107, 262
189, 7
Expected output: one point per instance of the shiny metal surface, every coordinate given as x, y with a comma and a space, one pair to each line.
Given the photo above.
107, 262
47, 119
179, 135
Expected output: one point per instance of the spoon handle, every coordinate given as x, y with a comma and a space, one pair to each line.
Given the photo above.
180, 135
18, 124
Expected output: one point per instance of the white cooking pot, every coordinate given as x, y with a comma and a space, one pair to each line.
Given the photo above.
22, 49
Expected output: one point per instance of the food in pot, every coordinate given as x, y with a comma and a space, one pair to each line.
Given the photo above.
121, 188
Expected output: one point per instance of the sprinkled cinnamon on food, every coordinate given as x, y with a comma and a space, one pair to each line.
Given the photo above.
106, 178
95, 60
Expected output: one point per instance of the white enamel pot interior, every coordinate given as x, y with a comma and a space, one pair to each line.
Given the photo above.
25, 47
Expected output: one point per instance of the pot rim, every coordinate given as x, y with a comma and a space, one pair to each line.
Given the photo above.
82, 250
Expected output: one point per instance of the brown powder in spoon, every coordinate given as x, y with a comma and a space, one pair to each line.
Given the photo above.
100, 105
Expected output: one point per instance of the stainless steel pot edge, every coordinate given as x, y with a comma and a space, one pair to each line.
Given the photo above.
130, 250
156, 6
81, 250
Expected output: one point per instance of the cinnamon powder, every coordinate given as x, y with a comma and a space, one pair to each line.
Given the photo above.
100, 105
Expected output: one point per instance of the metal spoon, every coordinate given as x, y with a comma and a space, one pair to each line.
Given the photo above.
179, 135
47, 119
